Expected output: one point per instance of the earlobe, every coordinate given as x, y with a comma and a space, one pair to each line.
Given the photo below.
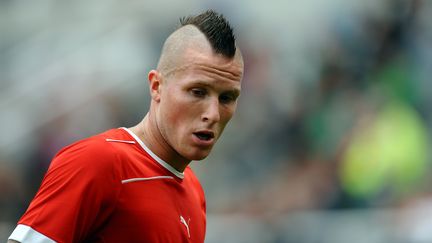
154, 78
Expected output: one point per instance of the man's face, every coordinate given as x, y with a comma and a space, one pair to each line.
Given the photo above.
196, 102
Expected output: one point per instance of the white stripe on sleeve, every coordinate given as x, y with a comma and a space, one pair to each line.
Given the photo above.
26, 234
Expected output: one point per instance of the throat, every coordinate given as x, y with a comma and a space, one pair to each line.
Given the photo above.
152, 140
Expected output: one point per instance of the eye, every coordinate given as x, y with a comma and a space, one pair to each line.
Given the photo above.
226, 98
197, 92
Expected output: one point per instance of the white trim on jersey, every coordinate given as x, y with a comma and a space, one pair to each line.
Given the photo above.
119, 141
146, 179
154, 156
24, 233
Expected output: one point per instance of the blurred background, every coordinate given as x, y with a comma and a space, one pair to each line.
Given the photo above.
331, 139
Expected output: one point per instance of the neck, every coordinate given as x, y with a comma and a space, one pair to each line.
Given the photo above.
148, 131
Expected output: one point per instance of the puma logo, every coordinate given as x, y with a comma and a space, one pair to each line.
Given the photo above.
183, 221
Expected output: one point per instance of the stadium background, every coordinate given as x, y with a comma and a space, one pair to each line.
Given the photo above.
331, 141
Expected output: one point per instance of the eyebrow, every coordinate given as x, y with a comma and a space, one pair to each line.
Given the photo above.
234, 91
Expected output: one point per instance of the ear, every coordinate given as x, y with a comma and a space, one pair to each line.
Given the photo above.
155, 82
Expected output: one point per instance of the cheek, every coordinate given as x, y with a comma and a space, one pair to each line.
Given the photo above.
171, 112
177, 112
229, 112
226, 116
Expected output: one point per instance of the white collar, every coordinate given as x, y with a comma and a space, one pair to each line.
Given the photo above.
154, 156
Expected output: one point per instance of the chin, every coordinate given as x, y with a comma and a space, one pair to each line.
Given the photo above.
198, 156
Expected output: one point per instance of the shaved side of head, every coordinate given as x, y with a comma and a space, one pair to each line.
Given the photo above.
205, 32
175, 46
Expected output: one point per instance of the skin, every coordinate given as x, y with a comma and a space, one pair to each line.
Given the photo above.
193, 89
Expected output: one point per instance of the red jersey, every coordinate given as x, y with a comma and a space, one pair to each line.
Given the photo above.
112, 188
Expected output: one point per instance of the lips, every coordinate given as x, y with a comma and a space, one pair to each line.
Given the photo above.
204, 135
204, 138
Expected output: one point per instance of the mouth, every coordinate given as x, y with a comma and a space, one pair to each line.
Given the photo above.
204, 135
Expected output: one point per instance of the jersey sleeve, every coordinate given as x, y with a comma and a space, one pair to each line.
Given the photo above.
77, 195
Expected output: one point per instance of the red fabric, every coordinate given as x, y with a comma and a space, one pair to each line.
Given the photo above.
82, 197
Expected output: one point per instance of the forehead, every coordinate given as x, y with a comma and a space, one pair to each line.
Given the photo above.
212, 66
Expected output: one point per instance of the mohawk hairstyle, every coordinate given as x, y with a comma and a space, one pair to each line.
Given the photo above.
217, 30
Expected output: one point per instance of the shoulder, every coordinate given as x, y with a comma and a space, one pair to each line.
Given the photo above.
91, 153
96, 143
190, 175
193, 179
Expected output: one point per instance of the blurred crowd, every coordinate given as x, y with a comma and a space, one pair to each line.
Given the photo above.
334, 114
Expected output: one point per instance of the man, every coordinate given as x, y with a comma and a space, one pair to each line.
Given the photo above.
134, 185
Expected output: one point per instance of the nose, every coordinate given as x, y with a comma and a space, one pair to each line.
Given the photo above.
212, 113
